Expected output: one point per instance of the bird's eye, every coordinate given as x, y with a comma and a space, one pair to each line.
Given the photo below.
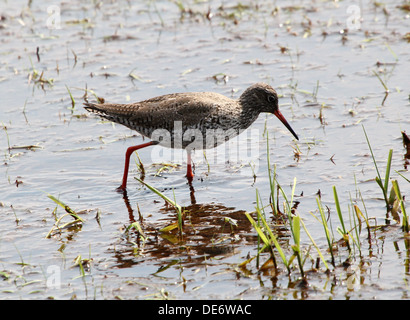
271, 99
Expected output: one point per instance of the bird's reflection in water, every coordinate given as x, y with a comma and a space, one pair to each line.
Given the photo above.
208, 230
131, 210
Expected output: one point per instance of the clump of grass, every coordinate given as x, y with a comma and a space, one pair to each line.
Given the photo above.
268, 241
360, 214
69, 212
395, 199
266, 235
37, 77
291, 219
383, 186
294, 225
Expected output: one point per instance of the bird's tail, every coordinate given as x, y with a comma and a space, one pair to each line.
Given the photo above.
109, 109
119, 113
94, 108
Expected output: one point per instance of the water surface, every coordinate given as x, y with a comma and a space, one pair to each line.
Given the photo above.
323, 65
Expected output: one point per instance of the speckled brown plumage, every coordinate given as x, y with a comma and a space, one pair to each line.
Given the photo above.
192, 120
203, 111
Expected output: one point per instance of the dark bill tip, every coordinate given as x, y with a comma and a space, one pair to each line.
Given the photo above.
283, 120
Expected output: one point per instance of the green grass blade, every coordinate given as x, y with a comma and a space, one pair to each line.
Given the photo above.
72, 99
387, 177
381, 81
170, 227
295, 225
168, 200
402, 176
179, 215
271, 179
296, 232
65, 207
275, 241
339, 211
314, 244
288, 207
258, 229
329, 237
405, 223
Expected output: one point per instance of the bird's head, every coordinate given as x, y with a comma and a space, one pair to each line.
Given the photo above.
261, 97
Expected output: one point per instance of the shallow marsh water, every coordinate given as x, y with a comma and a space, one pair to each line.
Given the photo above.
313, 53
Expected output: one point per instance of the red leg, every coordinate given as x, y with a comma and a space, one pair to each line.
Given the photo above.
128, 154
189, 173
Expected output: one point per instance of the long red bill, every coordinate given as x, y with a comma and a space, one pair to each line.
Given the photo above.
279, 115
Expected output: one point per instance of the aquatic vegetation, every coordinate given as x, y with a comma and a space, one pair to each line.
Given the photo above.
395, 199
173, 203
72, 99
38, 78
267, 236
327, 230
342, 231
69, 212
351, 238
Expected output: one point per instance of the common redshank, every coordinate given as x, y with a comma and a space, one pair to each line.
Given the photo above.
193, 120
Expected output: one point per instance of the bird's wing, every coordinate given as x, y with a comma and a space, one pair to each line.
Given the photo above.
163, 111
